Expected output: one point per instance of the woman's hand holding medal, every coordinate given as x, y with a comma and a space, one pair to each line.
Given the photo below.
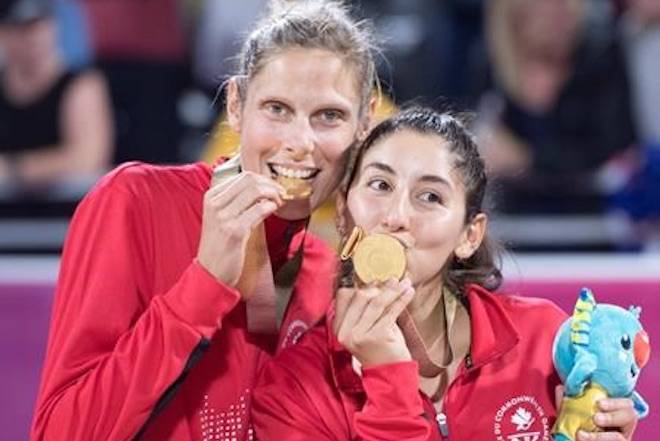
365, 321
366, 316
232, 208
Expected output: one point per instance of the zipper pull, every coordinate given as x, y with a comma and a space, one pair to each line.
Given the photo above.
441, 419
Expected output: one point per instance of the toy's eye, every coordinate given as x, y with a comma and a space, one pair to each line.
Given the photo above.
625, 341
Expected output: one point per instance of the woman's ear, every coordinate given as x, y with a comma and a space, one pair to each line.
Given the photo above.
367, 119
341, 215
234, 105
471, 237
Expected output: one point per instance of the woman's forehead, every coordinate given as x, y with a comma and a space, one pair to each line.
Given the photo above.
414, 155
309, 74
408, 146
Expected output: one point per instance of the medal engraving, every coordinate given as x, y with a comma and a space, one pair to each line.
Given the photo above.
376, 257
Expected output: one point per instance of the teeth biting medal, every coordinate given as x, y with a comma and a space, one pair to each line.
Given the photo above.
376, 257
296, 183
294, 188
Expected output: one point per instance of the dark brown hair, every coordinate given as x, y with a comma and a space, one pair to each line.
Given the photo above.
483, 267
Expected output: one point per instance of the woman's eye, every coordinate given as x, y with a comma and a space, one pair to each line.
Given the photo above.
431, 197
379, 184
276, 108
331, 116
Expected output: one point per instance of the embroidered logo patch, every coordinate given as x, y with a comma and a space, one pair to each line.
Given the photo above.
294, 331
521, 419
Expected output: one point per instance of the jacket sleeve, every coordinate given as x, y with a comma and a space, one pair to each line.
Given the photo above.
115, 347
394, 408
292, 404
283, 409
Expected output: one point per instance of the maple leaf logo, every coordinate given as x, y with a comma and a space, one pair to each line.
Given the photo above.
522, 419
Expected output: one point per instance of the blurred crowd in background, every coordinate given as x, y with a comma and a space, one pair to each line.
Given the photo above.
565, 96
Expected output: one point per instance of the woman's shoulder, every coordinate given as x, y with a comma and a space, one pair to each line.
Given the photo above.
86, 87
533, 314
140, 179
527, 314
516, 303
531, 305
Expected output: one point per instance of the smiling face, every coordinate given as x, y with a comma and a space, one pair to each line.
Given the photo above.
299, 115
28, 44
406, 186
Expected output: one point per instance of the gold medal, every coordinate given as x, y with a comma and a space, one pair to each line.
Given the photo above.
226, 170
376, 257
294, 188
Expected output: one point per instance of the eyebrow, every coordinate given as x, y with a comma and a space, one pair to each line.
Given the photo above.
425, 178
380, 166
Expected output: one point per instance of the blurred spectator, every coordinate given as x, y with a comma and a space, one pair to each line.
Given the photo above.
429, 46
55, 124
218, 37
641, 30
639, 200
411, 30
218, 34
560, 110
73, 33
141, 47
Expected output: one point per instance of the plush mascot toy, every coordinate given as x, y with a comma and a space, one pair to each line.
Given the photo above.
598, 353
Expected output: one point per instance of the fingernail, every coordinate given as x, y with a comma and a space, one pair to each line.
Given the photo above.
600, 418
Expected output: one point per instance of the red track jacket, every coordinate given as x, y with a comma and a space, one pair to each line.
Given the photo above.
504, 389
144, 343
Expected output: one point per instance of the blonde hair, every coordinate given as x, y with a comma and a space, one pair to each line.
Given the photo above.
313, 24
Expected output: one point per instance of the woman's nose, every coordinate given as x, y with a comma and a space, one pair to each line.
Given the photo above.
397, 215
299, 139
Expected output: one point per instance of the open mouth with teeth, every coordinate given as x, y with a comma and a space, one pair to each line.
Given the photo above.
297, 182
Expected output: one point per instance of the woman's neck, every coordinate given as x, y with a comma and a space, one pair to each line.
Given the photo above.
427, 312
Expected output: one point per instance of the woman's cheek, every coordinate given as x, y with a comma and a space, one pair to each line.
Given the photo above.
365, 211
333, 146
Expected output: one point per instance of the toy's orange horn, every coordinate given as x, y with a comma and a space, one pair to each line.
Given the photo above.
642, 348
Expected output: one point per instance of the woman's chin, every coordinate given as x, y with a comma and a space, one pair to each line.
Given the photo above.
295, 209
424, 282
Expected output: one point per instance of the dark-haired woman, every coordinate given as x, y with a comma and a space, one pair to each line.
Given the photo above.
436, 355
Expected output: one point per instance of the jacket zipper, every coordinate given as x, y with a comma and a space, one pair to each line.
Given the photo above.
441, 419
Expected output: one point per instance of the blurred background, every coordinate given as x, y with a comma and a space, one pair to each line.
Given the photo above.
565, 97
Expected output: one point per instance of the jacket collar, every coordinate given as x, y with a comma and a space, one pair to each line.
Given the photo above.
282, 239
493, 334
493, 331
